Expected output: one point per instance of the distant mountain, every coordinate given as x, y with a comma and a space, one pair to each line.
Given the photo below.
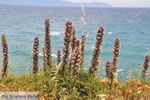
53, 3
94, 4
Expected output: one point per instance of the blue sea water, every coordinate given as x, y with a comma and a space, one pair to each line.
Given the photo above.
22, 23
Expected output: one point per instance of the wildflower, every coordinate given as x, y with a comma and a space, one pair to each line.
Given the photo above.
107, 69
73, 44
73, 39
146, 64
83, 48
58, 57
97, 51
35, 55
115, 58
5, 56
105, 81
115, 83
67, 40
44, 59
139, 84
48, 44
76, 60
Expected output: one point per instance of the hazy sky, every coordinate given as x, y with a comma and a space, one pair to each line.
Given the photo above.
114, 3
120, 3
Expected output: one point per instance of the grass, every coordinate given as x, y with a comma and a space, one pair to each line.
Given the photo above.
52, 86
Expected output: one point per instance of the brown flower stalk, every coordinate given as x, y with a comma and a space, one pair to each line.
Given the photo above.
58, 57
67, 40
5, 56
44, 59
35, 55
73, 44
107, 69
83, 48
48, 44
76, 60
73, 39
115, 58
97, 51
146, 64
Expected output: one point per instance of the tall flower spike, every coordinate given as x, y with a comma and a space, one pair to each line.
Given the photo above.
67, 39
74, 44
97, 51
107, 69
115, 58
44, 59
146, 64
58, 57
76, 60
5, 56
35, 55
73, 39
83, 48
48, 44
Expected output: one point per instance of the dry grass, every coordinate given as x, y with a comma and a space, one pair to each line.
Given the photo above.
52, 85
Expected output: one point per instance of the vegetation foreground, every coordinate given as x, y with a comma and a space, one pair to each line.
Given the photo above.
67, 79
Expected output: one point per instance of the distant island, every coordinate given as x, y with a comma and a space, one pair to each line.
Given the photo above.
54, 3
93, 4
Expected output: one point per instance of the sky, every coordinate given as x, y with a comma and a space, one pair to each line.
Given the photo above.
119, 3
114, 3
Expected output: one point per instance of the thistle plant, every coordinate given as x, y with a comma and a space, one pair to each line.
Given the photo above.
5, 56
76, 60
48, 44
67, 40
83, 48
58, 57
97, 51
145, 66
115, 58
35, 55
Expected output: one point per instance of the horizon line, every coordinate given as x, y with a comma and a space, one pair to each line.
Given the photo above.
67, 6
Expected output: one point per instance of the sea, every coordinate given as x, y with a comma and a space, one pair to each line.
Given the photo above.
22, 23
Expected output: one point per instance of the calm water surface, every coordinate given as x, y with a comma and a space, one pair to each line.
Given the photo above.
22, 23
